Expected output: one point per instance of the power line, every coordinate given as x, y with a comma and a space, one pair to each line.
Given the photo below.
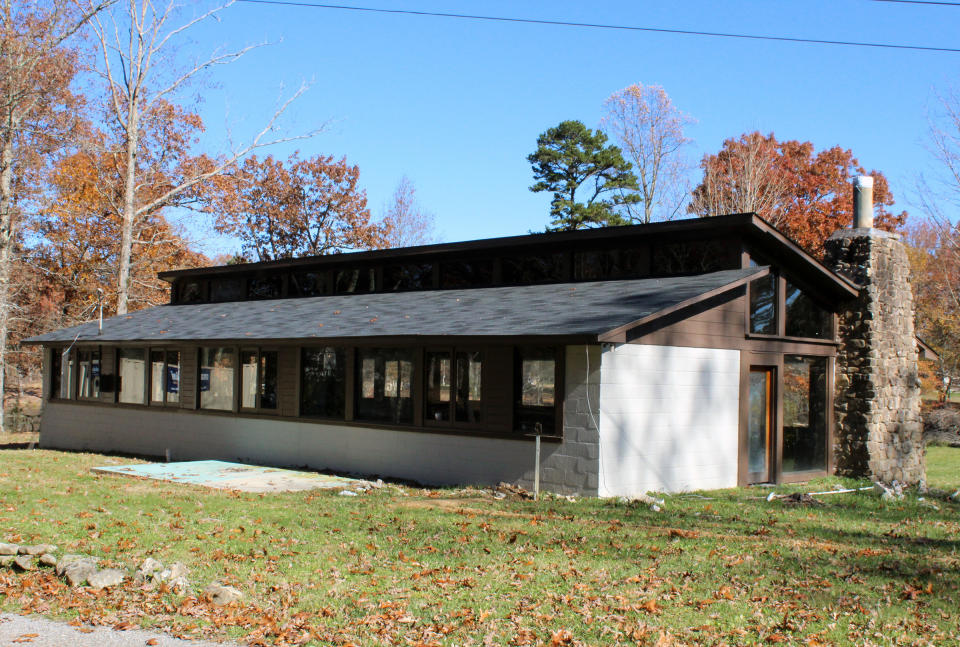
930, 2
534, 21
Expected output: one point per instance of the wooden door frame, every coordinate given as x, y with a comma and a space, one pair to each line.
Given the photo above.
750, 359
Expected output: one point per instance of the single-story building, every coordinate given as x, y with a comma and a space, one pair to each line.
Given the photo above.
672, 356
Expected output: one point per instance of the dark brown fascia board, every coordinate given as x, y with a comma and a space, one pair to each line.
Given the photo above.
619, 334
715, 223
418, 340
844, 286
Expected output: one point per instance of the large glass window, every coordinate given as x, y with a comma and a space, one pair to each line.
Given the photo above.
89, 387
803, 317
412, 276
61, 373
323, 379
536, 392
132, 374
533, 268
602, 264
217, 374
265, 287
468, 273
453, 386
763, 305
164, 377
308, 284
226, 289
191, 292
385, 384
258, 379
804, 413
356, 281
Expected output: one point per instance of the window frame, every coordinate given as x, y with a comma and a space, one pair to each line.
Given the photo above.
90, 355
416, 360
559, 376
780, 314
451, 420
347, 355
118, 388
166, 363
198, 402
238, 389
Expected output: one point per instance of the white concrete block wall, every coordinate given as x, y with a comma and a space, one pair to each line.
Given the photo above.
669, 419
568, 467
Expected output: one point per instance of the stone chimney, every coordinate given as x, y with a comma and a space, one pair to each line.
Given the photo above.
877, 405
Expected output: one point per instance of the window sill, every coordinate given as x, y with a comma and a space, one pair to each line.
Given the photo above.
798, 340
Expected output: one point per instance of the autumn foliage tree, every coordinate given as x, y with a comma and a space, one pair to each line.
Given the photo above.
37, 114
934, 253
804, 193
79, 242
295, 208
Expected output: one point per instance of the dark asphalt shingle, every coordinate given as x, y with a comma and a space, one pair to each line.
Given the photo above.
530, 310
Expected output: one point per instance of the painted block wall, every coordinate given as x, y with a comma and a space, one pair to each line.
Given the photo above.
669, 419
567, 467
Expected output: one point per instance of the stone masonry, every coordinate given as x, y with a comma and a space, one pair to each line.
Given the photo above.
879, 432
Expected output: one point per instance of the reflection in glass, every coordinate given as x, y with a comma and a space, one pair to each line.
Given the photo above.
308, 284
536, 390
386, 384
804, 413
173, 376
248, 379
268, 379
132, 371
217, 370
156, 376
803, 317
323, 382
439, 386
226, 289
469, 371
758, 431
763, 305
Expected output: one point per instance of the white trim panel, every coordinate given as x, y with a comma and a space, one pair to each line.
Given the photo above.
669, 419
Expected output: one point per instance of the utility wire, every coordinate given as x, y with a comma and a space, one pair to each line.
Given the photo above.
930, 2
534, 21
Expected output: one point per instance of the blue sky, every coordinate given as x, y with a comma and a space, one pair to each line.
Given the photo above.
457, 105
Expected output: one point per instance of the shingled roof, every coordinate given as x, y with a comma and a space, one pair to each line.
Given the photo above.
585, 309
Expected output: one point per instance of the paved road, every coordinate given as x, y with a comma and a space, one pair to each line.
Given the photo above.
19, 630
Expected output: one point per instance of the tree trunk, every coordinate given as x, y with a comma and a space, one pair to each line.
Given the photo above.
6, 258
129, 209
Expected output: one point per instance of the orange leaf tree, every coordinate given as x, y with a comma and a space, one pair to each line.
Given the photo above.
804, 193
298, 208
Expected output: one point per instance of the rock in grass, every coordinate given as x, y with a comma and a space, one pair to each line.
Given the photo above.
66, 560
25, 563
39, 549
222, 595
148, 569
77, 572
7, 560
106, 578
47, 560
9, 549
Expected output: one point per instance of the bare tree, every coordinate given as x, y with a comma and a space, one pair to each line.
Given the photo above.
649, 128
36, 69
135, 47
741, 178
406, 221
937, 278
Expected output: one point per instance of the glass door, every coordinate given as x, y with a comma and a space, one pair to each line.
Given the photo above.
760, 426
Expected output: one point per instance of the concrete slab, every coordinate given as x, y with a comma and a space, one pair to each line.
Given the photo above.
231, 476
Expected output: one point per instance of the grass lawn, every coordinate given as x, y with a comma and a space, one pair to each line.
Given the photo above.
408, 566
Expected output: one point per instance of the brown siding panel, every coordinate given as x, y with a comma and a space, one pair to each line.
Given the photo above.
287, 378
188, 377
498, 388
720, 325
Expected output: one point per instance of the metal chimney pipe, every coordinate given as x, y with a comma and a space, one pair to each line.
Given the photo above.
863, 202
